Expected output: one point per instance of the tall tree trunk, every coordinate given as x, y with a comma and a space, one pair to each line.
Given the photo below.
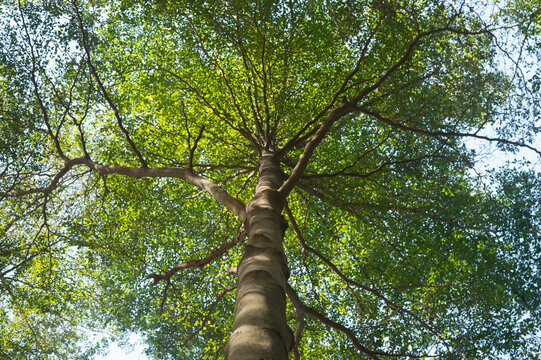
260, 329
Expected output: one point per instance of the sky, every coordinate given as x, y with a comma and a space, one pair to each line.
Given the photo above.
136, 350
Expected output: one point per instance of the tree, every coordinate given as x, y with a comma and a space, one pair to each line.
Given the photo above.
251, 180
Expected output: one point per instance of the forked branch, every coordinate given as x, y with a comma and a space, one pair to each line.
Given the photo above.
199, 262
292, 294
294, 297
105, 94
348, 281
311, 145
405, 127
192, 149
219, 194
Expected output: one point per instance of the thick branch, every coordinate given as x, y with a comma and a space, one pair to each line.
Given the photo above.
345, 108
301, 165
199, 262
219, 194
368, 89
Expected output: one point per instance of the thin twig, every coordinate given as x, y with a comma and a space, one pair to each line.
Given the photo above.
105, 94
347, 280
209, 313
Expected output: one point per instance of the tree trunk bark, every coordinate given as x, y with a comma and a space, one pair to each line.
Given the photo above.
260, 330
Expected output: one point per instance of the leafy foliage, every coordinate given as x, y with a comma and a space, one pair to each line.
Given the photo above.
118, 117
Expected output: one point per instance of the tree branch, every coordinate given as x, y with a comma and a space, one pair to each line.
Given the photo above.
199, 262
404, 127
299, 314
292, 294
227, 84
311, 145
222, 114
381, 166
299, 137
209, 313
347, 107
34, 81
192, 150
164, 295
294, 297
219, 194
105, 94
353, 208
68, 165
348, 281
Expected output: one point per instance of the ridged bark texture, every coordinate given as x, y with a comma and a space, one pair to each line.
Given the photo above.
260, 330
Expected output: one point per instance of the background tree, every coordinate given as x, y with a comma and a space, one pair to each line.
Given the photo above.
149, 150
